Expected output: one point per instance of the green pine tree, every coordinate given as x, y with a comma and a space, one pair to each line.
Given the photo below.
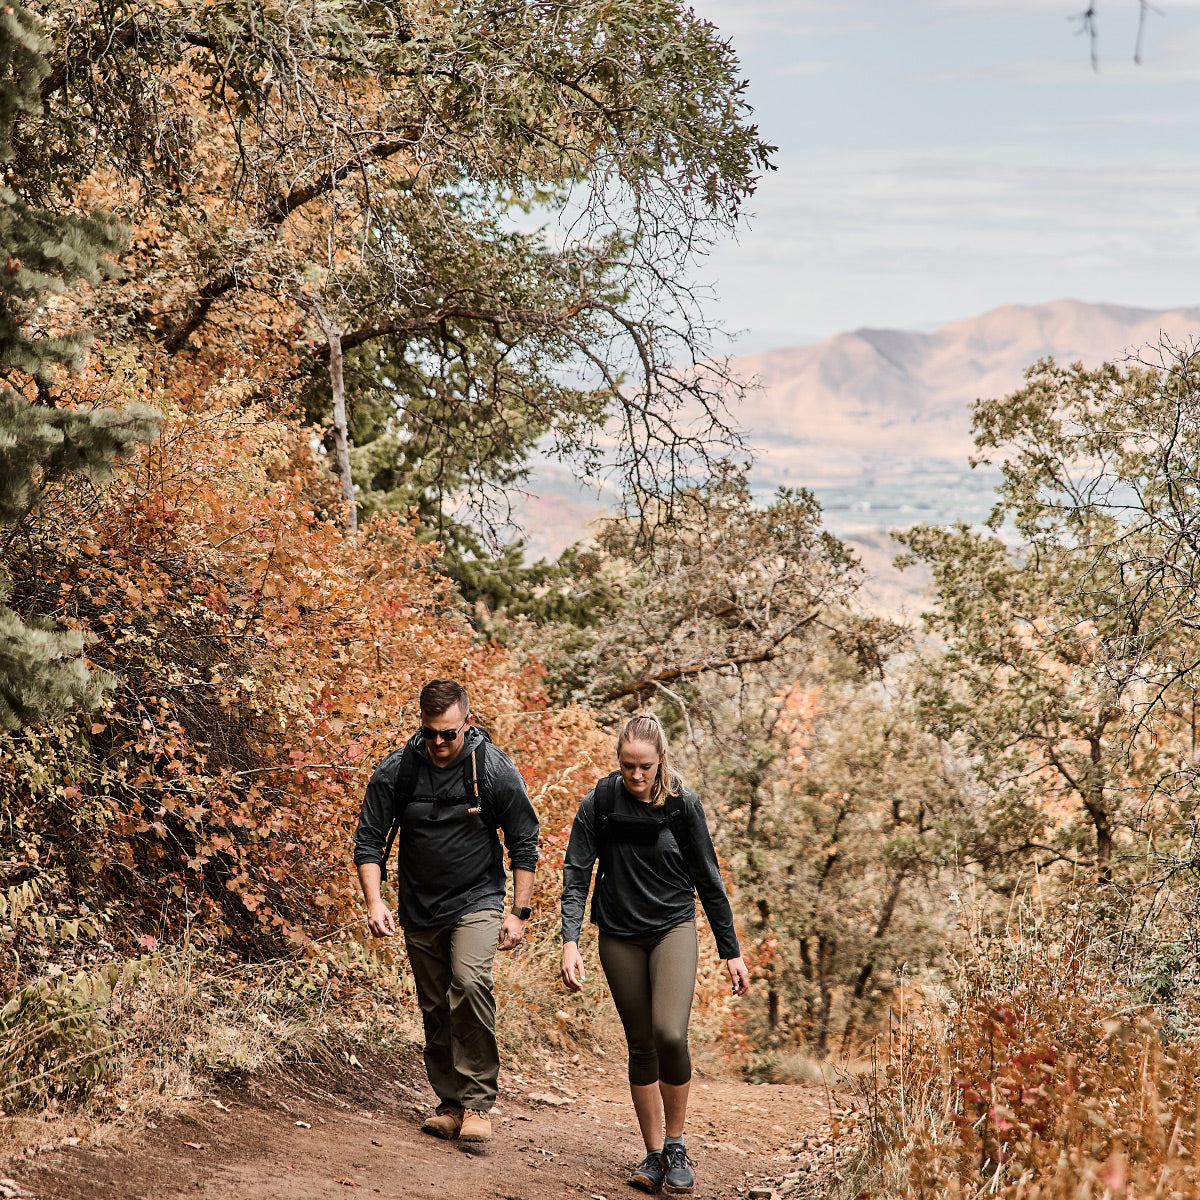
43, 252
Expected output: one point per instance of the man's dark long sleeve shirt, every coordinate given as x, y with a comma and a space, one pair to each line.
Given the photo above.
449, 861
646, 889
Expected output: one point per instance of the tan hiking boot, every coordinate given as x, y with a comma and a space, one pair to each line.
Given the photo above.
444, 1124
476, 1126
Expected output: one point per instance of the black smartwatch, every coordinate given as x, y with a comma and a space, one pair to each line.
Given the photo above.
522, 914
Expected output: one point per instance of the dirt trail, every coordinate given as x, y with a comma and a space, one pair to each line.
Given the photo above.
559, 1130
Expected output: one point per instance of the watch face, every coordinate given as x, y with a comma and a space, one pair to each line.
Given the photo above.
522, 914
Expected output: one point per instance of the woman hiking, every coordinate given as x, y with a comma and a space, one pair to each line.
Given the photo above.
651, 837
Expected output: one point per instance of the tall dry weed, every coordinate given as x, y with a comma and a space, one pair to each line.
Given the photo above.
1042, 1078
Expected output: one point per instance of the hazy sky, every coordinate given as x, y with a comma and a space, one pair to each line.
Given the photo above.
940, 157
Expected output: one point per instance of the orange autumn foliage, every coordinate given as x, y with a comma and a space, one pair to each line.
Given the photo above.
263, 662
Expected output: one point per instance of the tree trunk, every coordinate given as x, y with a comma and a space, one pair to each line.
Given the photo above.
1094, 801
868, 967
341, 437
764, 922
825, 952
337, 386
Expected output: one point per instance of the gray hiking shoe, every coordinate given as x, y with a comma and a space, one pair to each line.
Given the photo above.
648, 1174
677, 1170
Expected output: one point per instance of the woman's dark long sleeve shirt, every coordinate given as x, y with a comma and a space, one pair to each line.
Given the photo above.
646, 889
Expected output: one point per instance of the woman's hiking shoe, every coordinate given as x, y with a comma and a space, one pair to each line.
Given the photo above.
444, 1124
476, 1126
648, 1174
677, 1170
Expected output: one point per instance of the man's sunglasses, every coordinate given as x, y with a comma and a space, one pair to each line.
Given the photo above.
441, 735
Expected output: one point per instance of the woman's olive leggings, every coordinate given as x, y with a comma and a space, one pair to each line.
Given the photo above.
652, 980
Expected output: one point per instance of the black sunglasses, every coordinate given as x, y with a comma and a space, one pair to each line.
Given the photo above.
438, 736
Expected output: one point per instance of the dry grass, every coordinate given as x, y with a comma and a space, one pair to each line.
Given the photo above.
130, 1040
1041, 1079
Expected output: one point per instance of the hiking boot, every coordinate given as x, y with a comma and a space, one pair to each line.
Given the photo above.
648, 1174
476, 1126
444, 1124
677, 1170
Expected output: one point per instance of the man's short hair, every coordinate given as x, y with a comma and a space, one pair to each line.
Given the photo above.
441, 695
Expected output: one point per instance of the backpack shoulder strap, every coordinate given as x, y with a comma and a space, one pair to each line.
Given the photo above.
475, 782
677, 819
604, 801
402, 790
476, 785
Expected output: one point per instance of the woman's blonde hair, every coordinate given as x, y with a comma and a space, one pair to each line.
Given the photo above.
648, 728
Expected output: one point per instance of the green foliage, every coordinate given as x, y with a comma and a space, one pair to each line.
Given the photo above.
41, 674
504, 593
849, 853
725, 590
1069, 663
43, 445
833, 809
453, 131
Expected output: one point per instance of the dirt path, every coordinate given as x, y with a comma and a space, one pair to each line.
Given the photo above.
559, 1130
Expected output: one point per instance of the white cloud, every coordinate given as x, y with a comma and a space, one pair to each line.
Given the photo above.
822, 67
775, 19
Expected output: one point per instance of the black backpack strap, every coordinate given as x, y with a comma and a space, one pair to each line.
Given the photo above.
603, 802
402, 790
677, 819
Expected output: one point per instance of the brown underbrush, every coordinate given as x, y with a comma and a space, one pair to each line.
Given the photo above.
134, 1037
1043, 1076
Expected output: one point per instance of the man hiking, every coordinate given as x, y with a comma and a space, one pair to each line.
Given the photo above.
445, 794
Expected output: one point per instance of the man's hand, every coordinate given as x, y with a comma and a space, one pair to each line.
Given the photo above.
512, 932
379, 916
739, 975
380, 919
572, 967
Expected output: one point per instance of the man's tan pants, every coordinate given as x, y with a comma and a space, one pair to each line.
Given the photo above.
452, 968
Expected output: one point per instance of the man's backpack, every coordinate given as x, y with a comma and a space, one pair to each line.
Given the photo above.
642, 830
475, 787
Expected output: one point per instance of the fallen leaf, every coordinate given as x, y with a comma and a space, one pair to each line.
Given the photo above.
221, 1106
346, 1182
195, 1145
547, 1098
375, 1143
303, 1125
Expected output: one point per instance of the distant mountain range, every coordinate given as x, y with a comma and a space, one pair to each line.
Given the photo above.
878, 422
